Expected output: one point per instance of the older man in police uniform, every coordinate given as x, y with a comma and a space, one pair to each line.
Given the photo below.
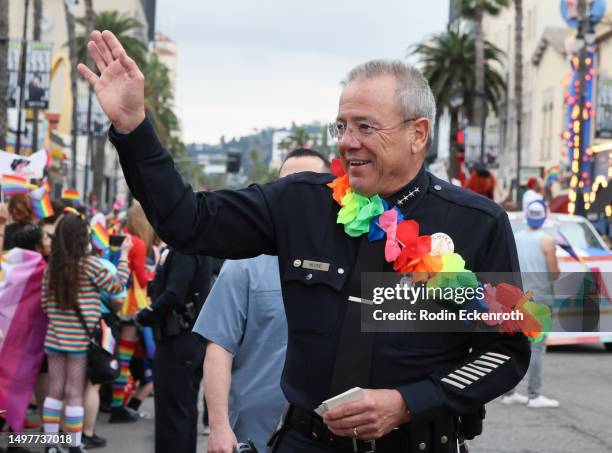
418, 394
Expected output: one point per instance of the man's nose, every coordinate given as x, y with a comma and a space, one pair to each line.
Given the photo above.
348, 140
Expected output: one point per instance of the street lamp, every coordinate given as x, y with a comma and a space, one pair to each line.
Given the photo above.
584, 38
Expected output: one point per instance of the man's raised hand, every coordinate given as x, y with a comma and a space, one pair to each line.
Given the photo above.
120, 86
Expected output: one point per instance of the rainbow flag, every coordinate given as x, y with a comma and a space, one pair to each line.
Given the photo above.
14, 185
99, 236
71, 194
108, 340
43, 207
41, 202
23, 326
564, 244
551, 174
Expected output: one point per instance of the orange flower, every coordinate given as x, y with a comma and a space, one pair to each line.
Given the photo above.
414, 247
426, 267
339, 186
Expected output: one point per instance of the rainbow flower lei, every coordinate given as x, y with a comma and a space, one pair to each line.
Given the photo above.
411, 253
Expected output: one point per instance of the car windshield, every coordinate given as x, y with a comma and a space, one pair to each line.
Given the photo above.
578, 234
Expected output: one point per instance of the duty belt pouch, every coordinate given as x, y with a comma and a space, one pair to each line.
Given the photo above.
444, 435
171, 326
435, 436
470, 425
280, 429
419, 437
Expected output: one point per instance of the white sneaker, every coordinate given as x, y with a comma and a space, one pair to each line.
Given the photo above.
515, 398
541, 402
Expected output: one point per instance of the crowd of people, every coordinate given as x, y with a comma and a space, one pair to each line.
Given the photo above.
86, 286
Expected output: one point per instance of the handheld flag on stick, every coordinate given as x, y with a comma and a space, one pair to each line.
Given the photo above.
99, 236
71, 194
562, 242
41, 202
551, 175
14, 185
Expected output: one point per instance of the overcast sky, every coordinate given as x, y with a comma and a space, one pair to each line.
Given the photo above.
246, 64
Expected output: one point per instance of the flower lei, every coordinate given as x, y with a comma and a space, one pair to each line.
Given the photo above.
412, 253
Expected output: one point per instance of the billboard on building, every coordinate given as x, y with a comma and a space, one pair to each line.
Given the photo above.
14, 52
99, 121
38, 78
602, 163
603, 117
473, 145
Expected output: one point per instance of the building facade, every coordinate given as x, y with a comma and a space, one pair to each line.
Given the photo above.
58, 116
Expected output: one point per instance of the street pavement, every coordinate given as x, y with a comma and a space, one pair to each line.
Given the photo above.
137, 437
580, 377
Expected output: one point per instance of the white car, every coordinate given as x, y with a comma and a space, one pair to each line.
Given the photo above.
594, 257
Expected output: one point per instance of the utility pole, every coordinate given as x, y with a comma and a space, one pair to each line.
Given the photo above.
583, 53
88, 150
36, 36
22, 75
518, 91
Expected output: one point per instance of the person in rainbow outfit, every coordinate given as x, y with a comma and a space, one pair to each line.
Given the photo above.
380, 211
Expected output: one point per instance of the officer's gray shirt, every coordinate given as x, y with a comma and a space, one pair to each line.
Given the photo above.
244, 314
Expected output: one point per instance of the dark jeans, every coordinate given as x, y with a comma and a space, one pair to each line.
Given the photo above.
177, 371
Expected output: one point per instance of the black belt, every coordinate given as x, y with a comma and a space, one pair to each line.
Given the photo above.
312, 426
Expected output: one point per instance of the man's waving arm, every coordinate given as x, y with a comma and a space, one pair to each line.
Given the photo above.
229, 224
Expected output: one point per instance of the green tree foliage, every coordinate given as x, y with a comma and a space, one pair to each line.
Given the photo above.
123, 26
299, 138
159, 104
447, 62
159, 99
475, 10
259, 172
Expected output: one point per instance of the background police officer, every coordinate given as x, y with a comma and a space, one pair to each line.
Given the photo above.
180, 286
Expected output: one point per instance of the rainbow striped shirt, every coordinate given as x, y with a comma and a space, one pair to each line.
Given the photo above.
65, 332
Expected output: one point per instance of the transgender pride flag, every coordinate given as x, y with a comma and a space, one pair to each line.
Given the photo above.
23, 327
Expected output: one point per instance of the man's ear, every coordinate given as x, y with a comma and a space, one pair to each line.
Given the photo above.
421, 135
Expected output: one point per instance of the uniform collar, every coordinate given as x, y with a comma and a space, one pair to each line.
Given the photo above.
407, 198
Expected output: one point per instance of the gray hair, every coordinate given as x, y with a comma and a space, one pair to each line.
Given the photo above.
414, 93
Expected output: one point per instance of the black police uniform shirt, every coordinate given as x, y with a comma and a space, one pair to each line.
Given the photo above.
295, 218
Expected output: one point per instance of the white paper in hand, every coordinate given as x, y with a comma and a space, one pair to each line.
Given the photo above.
354, 394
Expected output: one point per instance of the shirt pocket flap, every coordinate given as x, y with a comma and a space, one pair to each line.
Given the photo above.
335, 276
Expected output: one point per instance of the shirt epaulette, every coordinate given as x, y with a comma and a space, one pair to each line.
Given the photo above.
463, 197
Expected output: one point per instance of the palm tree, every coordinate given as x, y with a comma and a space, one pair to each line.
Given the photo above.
475, 10
94, 145
37, 35
447, 62
38, 13
299, 138
123, 26
159, 99
259, 172
4, 42
72, 50
518, 85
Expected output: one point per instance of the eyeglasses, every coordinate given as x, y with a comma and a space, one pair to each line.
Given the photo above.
360, 129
